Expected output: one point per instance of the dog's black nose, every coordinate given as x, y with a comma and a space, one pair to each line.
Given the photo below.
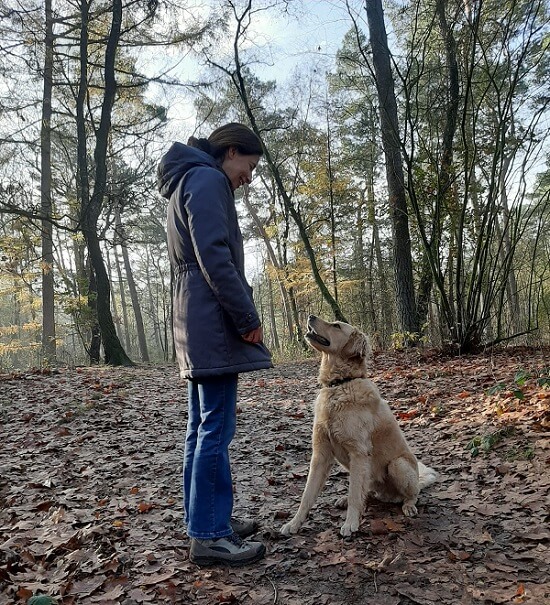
311, 318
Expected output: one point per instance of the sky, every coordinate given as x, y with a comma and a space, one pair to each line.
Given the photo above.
310, 33
315, 30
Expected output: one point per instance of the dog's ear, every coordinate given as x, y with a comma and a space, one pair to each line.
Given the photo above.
356, 346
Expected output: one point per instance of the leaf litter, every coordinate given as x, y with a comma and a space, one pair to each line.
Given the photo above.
90, 488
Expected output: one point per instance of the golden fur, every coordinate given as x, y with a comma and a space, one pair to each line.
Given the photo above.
356, 427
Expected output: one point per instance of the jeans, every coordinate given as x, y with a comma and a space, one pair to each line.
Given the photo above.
207, 484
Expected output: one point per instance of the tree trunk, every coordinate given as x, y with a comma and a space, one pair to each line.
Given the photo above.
431, 262
91, 204
382, 279
133, 290
272, 257
153, 302
166, 299
123, 304
94, 343
48, 302
506, 251
335, 307
272, 319
364, 279
402, 256
330, 177
116, 316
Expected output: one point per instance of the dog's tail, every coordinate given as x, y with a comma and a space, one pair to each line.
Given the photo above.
426, 475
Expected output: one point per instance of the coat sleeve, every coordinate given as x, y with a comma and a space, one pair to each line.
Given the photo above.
206, 202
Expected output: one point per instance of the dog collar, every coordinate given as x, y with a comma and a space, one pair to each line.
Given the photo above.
339, 381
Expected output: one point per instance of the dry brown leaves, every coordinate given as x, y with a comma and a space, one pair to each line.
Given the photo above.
91, 506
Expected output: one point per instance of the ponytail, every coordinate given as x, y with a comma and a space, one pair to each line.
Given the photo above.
230, 135
202, 144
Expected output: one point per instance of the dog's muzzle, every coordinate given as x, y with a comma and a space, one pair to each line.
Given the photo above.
312, 334
318, 338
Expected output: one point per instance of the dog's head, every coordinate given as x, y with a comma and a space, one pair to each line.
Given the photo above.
337, 338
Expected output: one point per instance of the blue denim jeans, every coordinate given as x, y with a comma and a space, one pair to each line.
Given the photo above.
207, 484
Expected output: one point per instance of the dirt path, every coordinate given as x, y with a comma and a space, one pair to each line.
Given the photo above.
90, 506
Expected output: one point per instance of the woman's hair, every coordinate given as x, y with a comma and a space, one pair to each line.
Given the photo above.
230, 135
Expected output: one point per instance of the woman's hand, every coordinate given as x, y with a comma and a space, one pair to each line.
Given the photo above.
254, 336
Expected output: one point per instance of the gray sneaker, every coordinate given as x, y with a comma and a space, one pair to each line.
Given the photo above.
230, 550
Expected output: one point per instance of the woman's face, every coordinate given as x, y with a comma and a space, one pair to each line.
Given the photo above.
239, 167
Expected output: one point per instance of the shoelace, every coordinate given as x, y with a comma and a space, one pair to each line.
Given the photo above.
235, 539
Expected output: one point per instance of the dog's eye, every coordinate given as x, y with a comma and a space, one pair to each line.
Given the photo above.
337, 326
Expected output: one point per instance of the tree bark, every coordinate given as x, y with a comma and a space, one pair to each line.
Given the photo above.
506, 250
48, 298
402, 255
94, 346
164, 299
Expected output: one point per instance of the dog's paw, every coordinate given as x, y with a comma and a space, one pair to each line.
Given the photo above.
409, 510
348, 528
290, 528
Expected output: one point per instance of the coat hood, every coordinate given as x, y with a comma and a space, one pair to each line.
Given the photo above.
176, 162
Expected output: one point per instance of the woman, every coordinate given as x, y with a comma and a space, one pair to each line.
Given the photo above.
217, 330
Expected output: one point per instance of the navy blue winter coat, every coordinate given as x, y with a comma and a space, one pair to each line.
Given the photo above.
213, 303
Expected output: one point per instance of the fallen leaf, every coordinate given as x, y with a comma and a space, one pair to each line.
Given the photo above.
145, 507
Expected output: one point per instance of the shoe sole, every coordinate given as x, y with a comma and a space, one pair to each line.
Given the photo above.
208, 561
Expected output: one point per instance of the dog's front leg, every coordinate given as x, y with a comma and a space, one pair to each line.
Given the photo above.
359, 474
322, 460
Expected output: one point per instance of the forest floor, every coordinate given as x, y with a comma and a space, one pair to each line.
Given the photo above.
90, 503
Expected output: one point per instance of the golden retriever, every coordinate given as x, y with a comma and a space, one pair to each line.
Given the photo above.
356, 427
